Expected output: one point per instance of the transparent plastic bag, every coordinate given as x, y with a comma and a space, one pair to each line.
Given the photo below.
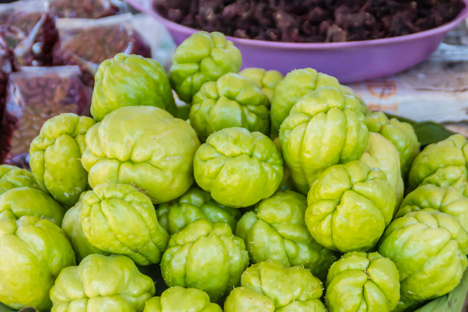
29, 29
34, 95
156, 35
87, 8
87, 42
7, 65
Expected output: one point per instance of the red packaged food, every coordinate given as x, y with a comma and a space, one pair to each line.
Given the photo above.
6, 66
34, 95
87, 8
29, 29
87, 43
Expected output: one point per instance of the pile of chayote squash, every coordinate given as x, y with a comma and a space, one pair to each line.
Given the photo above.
277, 194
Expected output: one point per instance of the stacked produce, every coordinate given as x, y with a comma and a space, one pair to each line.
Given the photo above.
401, 135
193, 205
349, 207
79, 288
230, 101
276, 230
269, 285
359, 273
182, 299
278, 194
148, 85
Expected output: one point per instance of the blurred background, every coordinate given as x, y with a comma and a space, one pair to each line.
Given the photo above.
50, 50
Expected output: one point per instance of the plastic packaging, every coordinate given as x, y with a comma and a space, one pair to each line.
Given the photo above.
157, 36
87, 43
87, 8
34, 95
6, 66
29, 29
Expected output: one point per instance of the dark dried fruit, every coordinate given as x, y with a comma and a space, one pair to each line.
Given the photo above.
30, 31
87, 43
34, 95
86, 8
7, 65
311, 20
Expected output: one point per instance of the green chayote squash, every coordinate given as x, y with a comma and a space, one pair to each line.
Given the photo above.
271, 287
102, 283
231, 101
267, 80
12, 177
433, 198
383, 155
178, 299
362, 282
349, 91
130, 80
143, 146
451, 302
118, 219
276, 230
296, 84
27, 201
429, 250
239, 168
349, 207
73, 230
56, 157
324, 128
401, 134
205, 256
33, 251
193, 205
442, 164
201, 58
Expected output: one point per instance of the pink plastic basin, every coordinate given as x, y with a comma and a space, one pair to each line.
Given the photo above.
348, 61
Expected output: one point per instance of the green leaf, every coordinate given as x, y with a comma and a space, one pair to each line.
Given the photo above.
452, 302
4, 308
428, 132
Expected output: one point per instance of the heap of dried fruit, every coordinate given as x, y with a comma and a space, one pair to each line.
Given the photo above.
311, 20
